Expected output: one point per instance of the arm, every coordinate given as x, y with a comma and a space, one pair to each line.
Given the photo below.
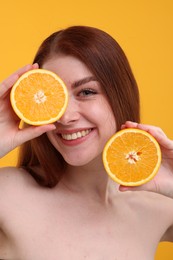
168, 236
163, 181
9, 122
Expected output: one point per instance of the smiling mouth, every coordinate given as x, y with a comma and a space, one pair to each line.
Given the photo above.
76, 135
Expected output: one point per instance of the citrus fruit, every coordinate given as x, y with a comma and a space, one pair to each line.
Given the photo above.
39, 97
132, 157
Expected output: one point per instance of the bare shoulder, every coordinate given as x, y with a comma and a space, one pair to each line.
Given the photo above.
149, 206
15, 184
150, 201
154, 209
13, 177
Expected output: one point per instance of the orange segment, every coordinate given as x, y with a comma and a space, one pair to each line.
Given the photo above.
39, 97
132, 157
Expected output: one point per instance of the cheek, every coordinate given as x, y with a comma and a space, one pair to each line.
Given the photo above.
110, 125
108, 117
102, 116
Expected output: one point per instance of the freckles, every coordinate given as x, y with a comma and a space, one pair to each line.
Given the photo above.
109, 115
114, 125
111, 122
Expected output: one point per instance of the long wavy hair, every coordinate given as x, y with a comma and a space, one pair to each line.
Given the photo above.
107, 61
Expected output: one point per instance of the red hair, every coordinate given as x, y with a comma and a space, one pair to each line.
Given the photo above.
108, 63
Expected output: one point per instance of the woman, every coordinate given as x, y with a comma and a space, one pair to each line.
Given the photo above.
59, 203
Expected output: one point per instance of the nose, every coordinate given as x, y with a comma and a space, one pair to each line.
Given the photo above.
71, 114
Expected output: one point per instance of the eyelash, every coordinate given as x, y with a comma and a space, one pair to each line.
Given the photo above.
87, 92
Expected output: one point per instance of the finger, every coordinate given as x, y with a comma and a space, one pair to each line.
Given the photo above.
35, 66
150, 186
26, 68
155, 131
130, 188
9, 82
32, 132
145, 127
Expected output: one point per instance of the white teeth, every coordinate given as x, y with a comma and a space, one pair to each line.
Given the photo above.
73, 136
76, 135
68, 137
79, 134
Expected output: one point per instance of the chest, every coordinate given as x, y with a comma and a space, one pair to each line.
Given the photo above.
43, 232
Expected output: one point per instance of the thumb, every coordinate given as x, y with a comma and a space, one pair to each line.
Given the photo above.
149, 186
126, 188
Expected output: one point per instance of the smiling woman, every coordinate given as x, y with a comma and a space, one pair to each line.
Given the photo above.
60, 185
84, 115
81, 51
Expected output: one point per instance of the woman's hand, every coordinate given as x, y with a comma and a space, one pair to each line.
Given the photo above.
11, 135
163, 181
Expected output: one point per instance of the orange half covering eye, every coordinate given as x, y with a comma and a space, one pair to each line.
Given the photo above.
39, 97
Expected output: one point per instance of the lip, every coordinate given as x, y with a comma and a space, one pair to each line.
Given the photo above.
75, 141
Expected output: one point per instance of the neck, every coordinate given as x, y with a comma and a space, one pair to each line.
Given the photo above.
90, 181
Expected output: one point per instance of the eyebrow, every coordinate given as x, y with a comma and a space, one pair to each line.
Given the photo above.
83, 81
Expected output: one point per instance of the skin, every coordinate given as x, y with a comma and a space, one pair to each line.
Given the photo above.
86, 216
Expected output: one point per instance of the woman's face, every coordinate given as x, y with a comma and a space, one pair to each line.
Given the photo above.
88, 122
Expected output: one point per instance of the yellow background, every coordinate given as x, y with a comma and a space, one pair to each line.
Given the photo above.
144, 28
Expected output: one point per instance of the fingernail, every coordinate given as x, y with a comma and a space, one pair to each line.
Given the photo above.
123, 188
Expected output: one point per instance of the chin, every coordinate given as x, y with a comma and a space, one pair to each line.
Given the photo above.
76, 162
83, 161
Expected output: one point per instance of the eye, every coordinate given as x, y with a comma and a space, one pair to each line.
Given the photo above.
87, 92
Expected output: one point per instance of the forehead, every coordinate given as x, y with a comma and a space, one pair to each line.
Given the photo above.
68, 68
